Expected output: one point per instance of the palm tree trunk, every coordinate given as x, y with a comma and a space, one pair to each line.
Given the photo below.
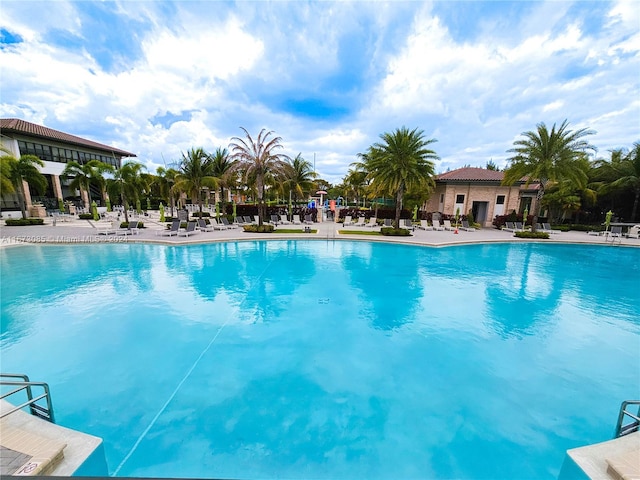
21, 198
261, 205
399, 196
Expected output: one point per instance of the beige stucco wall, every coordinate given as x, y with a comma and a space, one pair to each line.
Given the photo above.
473, 193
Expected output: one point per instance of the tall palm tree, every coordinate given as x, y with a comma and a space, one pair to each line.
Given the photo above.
622, 172
196, 174
82, 176
16, 171
222, 170
549, 157
402, 161
127, 184
257, 159
298, 176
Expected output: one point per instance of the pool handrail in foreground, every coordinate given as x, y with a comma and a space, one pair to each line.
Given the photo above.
633, 426
23, 383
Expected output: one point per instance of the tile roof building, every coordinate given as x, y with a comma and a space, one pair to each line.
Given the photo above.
55, 149
479, 191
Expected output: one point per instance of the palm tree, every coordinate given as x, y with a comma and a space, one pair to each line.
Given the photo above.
16, 171
222, 170
298, 176
166, 179
402, 161
196, 174
257, 159
622, 173
549, 157
127, 183
83, 175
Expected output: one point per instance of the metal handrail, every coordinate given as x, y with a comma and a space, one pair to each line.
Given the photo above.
23, 383
634, 425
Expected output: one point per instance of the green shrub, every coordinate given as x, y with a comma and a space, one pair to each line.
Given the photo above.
264, 228
395, 232
204, 214
126, 225
543, 235
22, 222
85, 216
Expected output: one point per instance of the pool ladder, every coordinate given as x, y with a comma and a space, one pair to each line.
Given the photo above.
23, 383
631, 426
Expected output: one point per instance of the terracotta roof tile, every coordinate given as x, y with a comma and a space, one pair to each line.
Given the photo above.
15, 125
471, 174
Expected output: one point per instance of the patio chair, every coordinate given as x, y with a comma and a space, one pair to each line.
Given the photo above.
173, 230
388, 222
296, 220
275, 219
203, 226
347, 221
361, 222
216, 225
239, 221
519, 227
509, 227
424, 225
227, 223
190, 230
109, 229
284, 220
308, 219
373, 222
447, 225
133, 226
634, 232
248, 220
547, 228
436, 225
466, 227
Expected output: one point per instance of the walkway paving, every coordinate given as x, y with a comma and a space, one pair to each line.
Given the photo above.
84, 231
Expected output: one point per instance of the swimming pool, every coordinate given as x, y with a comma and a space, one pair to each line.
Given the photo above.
328, 359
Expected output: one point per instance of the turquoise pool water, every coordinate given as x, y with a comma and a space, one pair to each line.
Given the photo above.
316, 359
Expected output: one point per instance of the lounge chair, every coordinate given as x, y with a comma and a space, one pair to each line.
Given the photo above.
256, 219
275, 219
361, 222
436, 225
227, 223
296, 220
519, 227
509, 227
634, 232
109, 229
216, 225
239, 221
190, 230
373, 222
248, 220
547, 228
203, 226
308, 219
424, 225
388, 222
173, 230
133, 226
347, 221
406, 223
465, 226
284, 220
125, 231
447, 225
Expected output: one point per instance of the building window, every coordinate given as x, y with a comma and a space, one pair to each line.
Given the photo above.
442, 198
500, 200
459, 198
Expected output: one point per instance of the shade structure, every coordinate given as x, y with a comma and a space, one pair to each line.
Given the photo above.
161, 208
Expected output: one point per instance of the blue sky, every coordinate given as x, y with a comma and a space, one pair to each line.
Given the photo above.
157, 78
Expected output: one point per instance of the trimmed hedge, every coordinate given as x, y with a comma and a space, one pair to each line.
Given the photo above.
23, 222
543, 235
264, 228
86, 216
395, 232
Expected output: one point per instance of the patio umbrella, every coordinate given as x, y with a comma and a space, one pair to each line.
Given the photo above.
607, 220
61, 205
415, 213
161, 208
234, 210
525, 214
457, 217
108, 205
94, 210
138, 207
217, 210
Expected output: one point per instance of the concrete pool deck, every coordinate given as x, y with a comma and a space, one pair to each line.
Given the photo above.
84, 231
